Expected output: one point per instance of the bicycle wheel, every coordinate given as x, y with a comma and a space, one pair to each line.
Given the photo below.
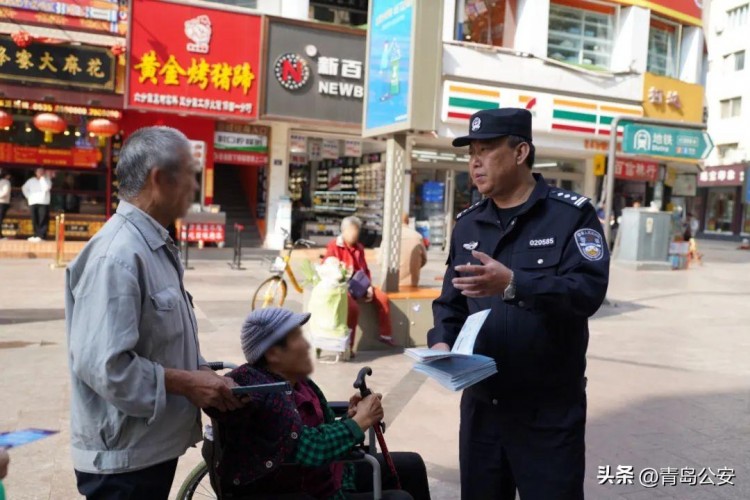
197, 484
270, 293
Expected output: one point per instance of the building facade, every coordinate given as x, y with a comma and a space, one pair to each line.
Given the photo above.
725, 211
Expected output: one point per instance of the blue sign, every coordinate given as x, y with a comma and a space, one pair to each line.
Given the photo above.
388, 66
650, 140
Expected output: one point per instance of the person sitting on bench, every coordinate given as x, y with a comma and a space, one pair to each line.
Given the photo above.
290, 445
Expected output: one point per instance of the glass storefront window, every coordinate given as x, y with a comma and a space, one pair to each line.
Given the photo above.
480, 21
746, 219
720, 210
662, 49
581, 36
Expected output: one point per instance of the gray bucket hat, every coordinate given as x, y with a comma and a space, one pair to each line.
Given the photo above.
264, 327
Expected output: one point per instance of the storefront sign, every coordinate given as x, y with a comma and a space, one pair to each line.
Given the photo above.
238, 144
53, 157
315, 149
48, 107
685, 185
353, 149
666, 141
88, 15
689, 11
635, 170
331, 149
190, 59
314, 72
732, 175
207, 233
298, 143
670, 99
390, 43
552, 113
58, 65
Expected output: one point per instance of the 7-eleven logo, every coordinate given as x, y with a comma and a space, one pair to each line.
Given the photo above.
528, 102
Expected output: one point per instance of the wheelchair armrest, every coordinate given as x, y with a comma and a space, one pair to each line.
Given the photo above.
339, 407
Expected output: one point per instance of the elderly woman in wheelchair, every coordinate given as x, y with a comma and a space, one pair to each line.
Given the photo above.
290, 444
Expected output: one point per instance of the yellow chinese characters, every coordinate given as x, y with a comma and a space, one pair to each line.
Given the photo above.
3, 56
23, 59
220, 75
71, 65
47, 61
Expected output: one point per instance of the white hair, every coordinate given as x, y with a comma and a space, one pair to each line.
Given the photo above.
352, 220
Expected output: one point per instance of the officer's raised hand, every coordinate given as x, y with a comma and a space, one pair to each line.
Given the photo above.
489, 278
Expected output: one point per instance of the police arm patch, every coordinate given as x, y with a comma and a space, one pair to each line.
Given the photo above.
590, 243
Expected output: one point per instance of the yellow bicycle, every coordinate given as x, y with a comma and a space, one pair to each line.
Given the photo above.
272, 292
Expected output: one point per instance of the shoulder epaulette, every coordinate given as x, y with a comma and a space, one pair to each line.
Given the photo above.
471, 208
568, 197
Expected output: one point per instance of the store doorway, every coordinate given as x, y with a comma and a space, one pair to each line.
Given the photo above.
236, 190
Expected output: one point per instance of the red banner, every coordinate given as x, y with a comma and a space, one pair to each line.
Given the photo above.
197, 60
61, 21
240, 158
51, 157
207, 233
636, 170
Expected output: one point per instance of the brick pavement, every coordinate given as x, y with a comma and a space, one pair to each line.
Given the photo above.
668, 376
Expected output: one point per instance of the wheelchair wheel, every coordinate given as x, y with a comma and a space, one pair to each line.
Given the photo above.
270, 293
197, 484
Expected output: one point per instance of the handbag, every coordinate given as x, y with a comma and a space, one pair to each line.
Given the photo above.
359, 284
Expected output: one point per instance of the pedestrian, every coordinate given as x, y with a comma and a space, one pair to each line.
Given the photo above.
413, 255
5, 190
138, 377
351, 253
37, 192
535, 257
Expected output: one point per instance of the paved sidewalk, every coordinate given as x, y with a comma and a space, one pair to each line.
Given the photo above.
668, 376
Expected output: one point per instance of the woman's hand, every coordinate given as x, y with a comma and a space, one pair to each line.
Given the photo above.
369, 412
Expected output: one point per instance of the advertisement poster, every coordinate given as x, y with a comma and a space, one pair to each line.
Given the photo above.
188, 59
388, 71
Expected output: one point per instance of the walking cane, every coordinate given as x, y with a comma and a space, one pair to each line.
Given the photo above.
360, 384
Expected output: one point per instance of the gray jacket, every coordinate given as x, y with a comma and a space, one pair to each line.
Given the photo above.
128, 317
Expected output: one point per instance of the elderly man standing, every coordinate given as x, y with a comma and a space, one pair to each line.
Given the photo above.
138, 378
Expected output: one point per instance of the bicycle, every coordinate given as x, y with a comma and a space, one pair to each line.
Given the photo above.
272, 292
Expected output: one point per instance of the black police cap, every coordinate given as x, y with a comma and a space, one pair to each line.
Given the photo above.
495, 123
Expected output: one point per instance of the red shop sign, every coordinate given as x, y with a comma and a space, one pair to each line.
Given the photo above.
197, 60
207, 233
636, 170
241, 158
51, 157
730, 175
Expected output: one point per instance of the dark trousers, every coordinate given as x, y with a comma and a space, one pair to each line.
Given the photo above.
3, 210
152, 483
538, 451
40, 220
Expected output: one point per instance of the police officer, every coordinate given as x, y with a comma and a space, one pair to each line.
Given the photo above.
535, 256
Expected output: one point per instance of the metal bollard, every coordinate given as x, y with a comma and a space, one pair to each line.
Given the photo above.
185, 248
59, 262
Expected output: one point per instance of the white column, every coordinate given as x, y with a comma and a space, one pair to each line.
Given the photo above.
449, 19
278, 181
532, 27
630, 50
589, 180
691, 55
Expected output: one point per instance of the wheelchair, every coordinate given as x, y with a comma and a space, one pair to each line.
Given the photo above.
203, 481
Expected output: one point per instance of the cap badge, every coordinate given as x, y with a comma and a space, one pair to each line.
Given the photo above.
476, 124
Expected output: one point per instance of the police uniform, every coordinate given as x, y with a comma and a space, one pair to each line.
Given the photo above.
524, 427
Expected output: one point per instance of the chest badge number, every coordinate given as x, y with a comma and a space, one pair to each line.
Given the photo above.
472, 245
542, 242
590, 243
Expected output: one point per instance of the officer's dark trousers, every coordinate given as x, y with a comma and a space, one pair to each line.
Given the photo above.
539, 451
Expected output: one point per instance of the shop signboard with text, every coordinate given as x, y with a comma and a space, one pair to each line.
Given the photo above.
241, 144
730, 175
189, 59
59, 65
636, 170
314, 72
50, 157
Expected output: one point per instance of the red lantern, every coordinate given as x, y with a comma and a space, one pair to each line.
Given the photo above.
102, 128
6, 120
119, 50
49, 123
22, 38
